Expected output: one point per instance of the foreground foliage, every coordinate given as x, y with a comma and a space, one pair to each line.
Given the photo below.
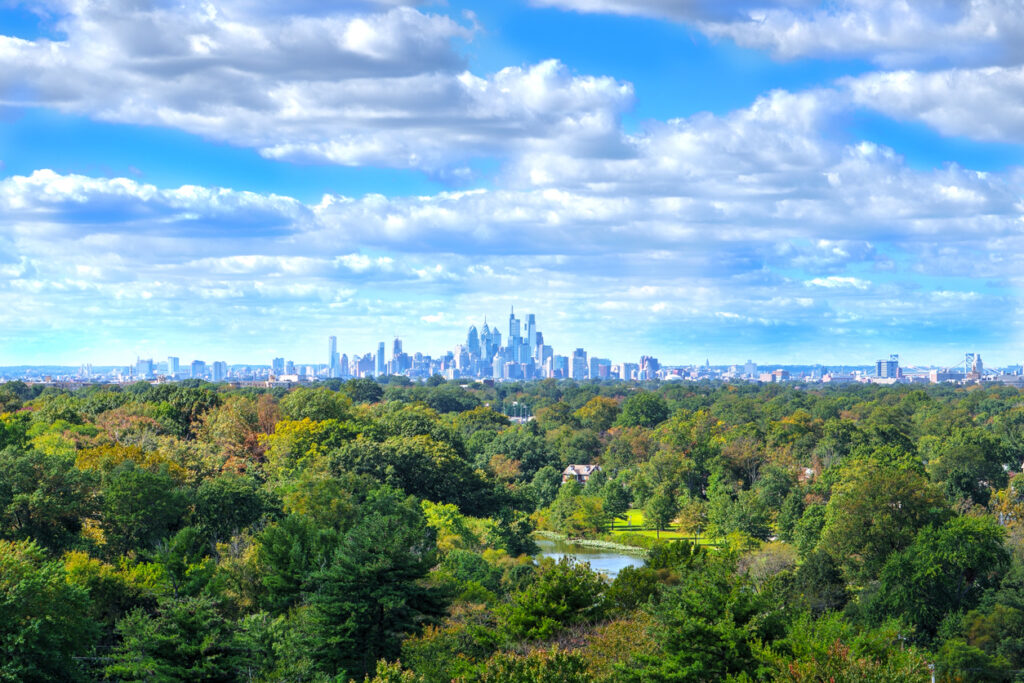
381, 531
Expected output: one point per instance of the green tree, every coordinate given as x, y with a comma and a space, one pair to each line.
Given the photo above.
185, 640
545, 485
945, 569
316, 404
693, 515
833, 649
645, 409
807, 531
44, 497
704, 625
730, 511
372, 592
512, 531
820, 583
140, 507
421, 466
564, 593
615, 500
363, 390
875, 511
289, 551
227, 504
554, 666
790, 513
968, 463
599, 413
451, 398
661, 509
958, 661
522, 444
632, 588
44, 619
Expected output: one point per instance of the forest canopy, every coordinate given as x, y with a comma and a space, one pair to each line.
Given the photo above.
384, 531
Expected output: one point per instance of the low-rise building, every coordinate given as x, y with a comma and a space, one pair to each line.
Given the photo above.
581, 473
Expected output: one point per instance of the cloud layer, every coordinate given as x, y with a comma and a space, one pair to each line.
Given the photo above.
890, 33
741, 226
758, 228
383, 86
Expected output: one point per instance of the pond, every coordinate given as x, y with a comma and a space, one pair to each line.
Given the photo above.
604, 560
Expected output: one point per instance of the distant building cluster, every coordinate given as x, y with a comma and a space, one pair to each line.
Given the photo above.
518, 352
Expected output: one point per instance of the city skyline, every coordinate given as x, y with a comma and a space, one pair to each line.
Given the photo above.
954, 355
520, 352
826, 180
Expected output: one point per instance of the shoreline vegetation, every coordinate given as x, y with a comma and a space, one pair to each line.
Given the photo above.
593, 543
633, 537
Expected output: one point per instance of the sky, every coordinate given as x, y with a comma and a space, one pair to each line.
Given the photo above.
782, 180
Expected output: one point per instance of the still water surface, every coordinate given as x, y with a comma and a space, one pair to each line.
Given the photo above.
603, 560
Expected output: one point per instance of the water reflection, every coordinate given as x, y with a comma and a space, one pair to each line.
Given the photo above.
604, 560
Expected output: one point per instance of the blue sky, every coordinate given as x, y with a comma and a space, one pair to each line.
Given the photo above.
780, 180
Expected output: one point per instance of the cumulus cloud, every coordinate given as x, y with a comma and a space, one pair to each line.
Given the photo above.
888, 33
378, 85
982, 104
836, 281
954, 65
747, 222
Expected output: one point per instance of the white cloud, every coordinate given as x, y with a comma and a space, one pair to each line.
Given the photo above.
383, 86
891, 33
757, 219
982, 104
838, 282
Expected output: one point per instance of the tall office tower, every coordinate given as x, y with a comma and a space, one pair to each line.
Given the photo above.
495, 341
198, 369
629, 371
649, 367
277, 366
380, 370
545, 353
531, 334
595, 365
485, 342
396, 348
525, 352
220, 371
750, 369
173, 366
560, 366
332, 354
462, 358
498, 367
513, 329
144, 368
579, 365
343, 366
289, 367
473, 341
538, 346
888, 368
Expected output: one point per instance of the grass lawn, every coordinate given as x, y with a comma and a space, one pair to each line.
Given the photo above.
635, 522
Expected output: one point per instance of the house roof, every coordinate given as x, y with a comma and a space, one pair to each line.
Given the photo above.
581, 469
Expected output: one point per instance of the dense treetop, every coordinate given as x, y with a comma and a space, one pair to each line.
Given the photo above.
383, 530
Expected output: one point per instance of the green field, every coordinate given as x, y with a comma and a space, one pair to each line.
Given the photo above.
634, 524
